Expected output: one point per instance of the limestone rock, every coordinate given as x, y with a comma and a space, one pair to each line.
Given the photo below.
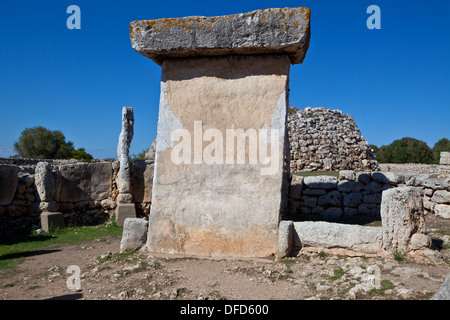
419, 241
441, 196
285, 239
134, 234
45, 182
296, 187
8, 183
442, 210
401, 217
334, 235
123, 178
444, 291
280, 31
323, 139
84, 182
320, 182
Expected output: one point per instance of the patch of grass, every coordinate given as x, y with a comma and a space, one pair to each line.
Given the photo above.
322, 255
34, 287
385, 285
317, 173
398, 255
338, 273
180, 259
306, 257
14, 252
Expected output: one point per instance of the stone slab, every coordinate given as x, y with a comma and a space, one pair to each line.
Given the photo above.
50, 220
134, 234
322, 234
269, 31
8, 183
219, 209
143, 180
124, 211
84, 182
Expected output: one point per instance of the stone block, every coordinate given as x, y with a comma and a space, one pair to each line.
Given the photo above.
442, 210
335, 235
50, 220
271, 31
84, 182
123, 211
45, 182
321, 182
285, 239
143, 181
445, 158
220, 209
134, 234
350, 186
8, 183
441, 196
295, 190
402, 215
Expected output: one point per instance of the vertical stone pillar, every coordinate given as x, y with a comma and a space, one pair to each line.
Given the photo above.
46, 189
125, 207
221, 167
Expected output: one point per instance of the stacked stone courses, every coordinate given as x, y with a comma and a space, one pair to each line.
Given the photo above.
360, 193
322, 139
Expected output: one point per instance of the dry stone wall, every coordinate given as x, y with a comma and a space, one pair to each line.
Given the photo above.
84, 192
322, 139
360, 194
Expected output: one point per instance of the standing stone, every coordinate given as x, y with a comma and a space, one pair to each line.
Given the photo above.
123, 179
125, 207
445, 158
134, 234
221, 75
401, 217
45, 182
285, 239
8, 183
46, 189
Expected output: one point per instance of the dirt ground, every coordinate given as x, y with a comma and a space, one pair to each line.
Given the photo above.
107, 274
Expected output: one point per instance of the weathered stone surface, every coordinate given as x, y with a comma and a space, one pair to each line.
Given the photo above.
322, 139
445, 158
444, 291
270, 31
45, 182
143, 181
124, 211
295, 190
332, 198
441, 196
285, 239
216, 209
334, 235
442, 210
352, 199
320, 182
50, 220
436, 183
123, 179
84, 182
389, 177
134, 234
348, 175
401, 217
8, 183
419, 241
350, 186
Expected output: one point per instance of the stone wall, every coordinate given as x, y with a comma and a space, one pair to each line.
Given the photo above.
360, 194
322, 139
84, 192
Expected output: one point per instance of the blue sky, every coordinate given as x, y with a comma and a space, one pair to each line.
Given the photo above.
395, 81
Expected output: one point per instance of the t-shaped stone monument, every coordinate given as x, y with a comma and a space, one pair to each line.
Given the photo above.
221, 167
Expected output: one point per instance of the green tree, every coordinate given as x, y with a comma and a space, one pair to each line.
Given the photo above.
440, 146
405, 150
41, 143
